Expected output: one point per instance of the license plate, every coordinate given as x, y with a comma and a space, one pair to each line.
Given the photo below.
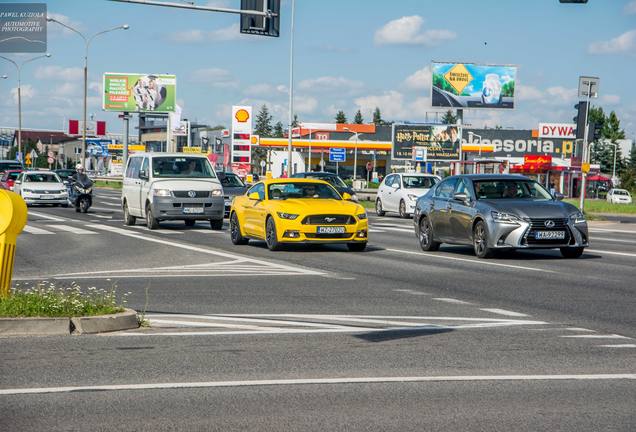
550, 235
331, 230
46, 197
192, 210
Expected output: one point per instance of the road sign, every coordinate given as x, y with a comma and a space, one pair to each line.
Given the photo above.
585, 167
27, 159
50, 160
588, 87
50, 154
33, 154
337, 155
369, 166
420, 154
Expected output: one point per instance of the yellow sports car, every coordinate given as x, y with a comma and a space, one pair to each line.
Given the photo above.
297, 210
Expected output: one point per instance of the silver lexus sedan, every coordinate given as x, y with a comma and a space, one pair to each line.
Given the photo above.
498, 212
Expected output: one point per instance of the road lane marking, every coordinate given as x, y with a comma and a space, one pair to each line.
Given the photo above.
315, 381
580, 329
212, 317
619, 346
71, 229
108, 209
597, 336
45, 216
480, 262
206, 231
111, 204
102, 217
34, 230
503, 312
160, 231
408, 291
388, 228
373, 230
452, 300
602, 252
607, 239
611, 230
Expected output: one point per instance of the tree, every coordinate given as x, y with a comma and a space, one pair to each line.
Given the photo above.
278, 131
295, 122
377, 117
449, 118
602, 152
358, 118
341, 117
263, 125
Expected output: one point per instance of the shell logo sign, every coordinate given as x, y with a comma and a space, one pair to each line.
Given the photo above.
242, 115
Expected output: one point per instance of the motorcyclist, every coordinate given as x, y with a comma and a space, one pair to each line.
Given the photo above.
80, 176
80, 189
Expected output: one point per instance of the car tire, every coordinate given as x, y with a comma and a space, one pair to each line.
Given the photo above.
378, 208
571, 252
64, 205
271, 238
480, 241
216, 224
84, 205
189, 222
426, 236
357, 247
235, 231
128, 219
151, 221
403, 213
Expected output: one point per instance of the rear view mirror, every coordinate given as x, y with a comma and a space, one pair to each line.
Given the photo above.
17, 182
460, 196
254, 196
558, 196
395, 186
143, 175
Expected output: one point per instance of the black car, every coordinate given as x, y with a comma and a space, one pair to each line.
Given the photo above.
232, 186
6, 165
331, 178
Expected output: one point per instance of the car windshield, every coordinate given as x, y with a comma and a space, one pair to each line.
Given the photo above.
42, 178
308, 190
510, 189
6, 166
231, 180
13, 175
418, 182
334, 180
183, 167
620, 192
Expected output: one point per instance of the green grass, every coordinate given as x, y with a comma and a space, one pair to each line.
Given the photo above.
367, 204
602, 206
108, 184
48, 300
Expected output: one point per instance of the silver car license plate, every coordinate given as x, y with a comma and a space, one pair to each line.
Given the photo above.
46, 197
550, 235
331, 230
192, 210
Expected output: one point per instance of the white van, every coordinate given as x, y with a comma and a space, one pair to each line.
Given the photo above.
171, 186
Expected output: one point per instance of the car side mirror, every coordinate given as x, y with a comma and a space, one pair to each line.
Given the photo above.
143, 175
558, 196
254, 196
461, 196
346, 196
395, 186
17, 182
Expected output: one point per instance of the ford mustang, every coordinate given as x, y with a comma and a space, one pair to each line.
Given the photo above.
297, 210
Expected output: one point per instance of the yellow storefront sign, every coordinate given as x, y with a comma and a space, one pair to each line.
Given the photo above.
458, 77
193, 150
131, 147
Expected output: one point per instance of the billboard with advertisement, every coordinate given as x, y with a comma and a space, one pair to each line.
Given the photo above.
469, 85
515, 143
441, 142
126, 92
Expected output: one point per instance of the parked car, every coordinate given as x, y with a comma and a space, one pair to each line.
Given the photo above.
331, 178
232, 186
171, 186
64, 173
41, 187
399, 192
297, 210
6, 165
493, 212
7, 179
619, 196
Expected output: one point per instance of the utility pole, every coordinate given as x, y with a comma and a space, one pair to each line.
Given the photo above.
588, 88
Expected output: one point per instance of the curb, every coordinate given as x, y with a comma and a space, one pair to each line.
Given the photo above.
40, 326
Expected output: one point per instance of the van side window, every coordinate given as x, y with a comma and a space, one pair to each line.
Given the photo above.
144, 166
134, 164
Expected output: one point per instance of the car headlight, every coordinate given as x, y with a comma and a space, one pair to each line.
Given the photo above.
505, 217
288, 216
161, 192
577, 217
412, 197
361, 216
217, 192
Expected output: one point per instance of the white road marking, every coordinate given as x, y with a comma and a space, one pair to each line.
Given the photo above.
103, 217
597, 336
408, 291
610, 252
71, 229
611, 230
619, 346
504, 312
607, 239
206, 231
388, 228
108, 209
160, 231
246, 319
580, 329
208, 324
111, 204
45, 216
452, 300
376, 230
316, 381
34, 230
478, 262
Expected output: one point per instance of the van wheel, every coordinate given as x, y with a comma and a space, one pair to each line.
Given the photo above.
151, 222
128, 219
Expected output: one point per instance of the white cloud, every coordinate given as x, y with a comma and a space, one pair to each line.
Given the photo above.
620, 44
327, 83
26, 92
305, 104
54, 28
391, 104
215, 77
611, 99
59, 73
188, 36
408, 31
264, 89
528, 93
630, 8
561, 94
420, 79
67, 89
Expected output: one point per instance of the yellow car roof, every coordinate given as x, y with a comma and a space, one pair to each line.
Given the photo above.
292, 180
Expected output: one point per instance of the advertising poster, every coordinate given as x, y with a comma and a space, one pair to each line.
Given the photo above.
441, 142
469, 85
22, 27
125, 92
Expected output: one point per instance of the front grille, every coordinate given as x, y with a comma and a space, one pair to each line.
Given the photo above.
539, 223
328, 236
50, 192
328, 220
197, 194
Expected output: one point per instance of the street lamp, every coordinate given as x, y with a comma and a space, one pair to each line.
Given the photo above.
355, 152
18, 67
470, 139
87, 42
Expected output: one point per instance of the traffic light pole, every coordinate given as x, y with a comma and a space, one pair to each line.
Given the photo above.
585, 156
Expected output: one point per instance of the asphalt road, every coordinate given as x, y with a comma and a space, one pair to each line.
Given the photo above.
318, 338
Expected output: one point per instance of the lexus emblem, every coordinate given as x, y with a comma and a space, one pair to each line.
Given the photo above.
549, 223
192, 194
329, 219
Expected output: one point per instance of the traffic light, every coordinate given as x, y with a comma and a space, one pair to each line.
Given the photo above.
579, 119
258, 24
594, 132
572, 1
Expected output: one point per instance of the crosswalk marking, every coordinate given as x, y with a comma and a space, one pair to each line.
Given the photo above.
34, 230
71, 229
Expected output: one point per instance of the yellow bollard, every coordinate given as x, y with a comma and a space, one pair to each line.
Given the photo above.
13, 218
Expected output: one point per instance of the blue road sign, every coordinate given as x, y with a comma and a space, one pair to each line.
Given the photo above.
337, 155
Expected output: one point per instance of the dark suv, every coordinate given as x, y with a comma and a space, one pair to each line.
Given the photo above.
331, 178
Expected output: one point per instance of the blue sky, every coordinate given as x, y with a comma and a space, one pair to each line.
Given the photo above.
350, 54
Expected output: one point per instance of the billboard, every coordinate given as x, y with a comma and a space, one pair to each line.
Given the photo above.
441, 142
22, 27
515, 143
557, 130
126, 92
469, 85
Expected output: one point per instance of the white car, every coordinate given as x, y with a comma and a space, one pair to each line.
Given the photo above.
619, 196
399, 192
41, 187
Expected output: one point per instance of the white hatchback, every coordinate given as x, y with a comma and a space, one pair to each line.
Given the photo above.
619, 196
41, 187
399, 192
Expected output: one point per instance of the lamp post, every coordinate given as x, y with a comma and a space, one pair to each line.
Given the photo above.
470, 138
87, 43
18, 67
355, 152
291, 90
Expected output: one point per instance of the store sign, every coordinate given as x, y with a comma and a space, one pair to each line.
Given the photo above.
557, 130
515, 143
537, 159
441, 142
241, 134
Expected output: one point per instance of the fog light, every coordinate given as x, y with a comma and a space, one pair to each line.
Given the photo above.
291, 234
361, 234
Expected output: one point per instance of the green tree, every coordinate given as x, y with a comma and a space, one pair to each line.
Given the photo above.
278, 131
358, 118
602, 151
263, 125
449, 118
341, 117
377, 117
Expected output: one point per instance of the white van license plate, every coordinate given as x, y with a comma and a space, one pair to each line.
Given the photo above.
192, 210
550, 235
331, 230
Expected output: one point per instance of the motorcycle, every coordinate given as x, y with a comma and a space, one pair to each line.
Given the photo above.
80, 194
